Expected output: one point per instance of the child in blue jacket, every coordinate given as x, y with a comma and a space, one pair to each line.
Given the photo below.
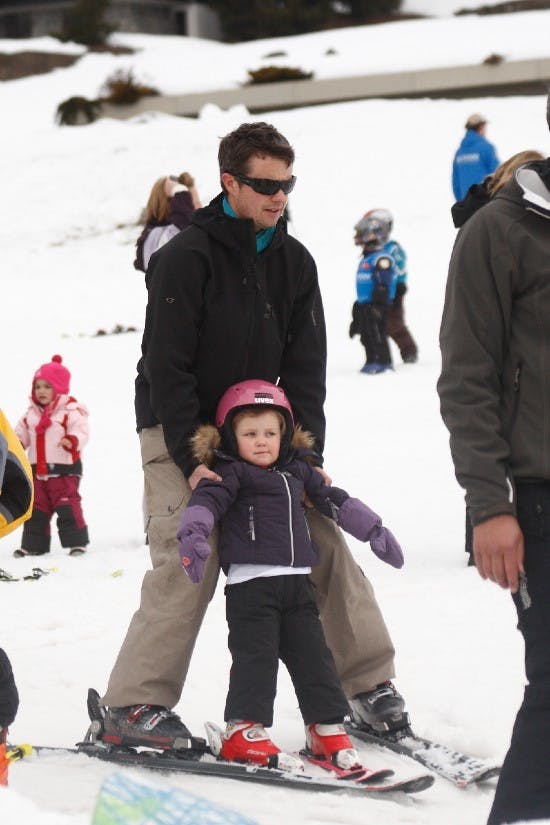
381, 284
263, 464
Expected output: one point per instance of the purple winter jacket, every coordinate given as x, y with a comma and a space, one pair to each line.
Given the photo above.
263, 515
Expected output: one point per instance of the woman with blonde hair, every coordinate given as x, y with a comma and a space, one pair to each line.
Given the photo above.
172, 201
481, 193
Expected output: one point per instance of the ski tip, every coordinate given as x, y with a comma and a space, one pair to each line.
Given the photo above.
419, 783
16, 752
482, 776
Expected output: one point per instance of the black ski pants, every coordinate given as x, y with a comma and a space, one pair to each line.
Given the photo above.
523, 790
274, 618
372, 327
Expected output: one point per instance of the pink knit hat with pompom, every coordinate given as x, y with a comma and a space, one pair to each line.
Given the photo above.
55, 374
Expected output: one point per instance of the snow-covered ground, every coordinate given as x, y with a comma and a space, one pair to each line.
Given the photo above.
442, 8
71, 200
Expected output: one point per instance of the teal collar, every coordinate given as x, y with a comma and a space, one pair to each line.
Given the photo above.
263, 238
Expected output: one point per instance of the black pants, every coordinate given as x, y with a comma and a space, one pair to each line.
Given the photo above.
372, 328
276, 618
523, 790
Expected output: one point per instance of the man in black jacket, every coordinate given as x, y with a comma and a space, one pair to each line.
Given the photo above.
495, 400
230, 298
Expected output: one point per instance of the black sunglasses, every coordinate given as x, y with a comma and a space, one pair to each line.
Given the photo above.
268, 186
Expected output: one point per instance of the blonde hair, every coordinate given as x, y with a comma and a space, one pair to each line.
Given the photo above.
504, 172
158, 205
255, 412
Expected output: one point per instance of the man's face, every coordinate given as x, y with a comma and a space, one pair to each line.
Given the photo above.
263, 210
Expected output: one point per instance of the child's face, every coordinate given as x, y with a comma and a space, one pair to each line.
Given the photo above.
43, 392
259, 438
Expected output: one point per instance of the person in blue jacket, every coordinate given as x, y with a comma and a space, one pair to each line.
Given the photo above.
381, 284
475, 158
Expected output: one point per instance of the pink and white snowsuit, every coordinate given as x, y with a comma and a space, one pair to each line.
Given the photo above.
56, 471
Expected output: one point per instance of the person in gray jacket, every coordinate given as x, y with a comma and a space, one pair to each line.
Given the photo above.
495, 400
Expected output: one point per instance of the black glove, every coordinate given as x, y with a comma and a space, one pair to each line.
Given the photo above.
380, 295
354, 326
400, 290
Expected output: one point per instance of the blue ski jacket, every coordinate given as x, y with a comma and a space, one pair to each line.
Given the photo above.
474, 159
370, 274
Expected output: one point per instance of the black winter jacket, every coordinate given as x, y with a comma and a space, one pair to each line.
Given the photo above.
264, 519
476, 197
9, 697
218, 313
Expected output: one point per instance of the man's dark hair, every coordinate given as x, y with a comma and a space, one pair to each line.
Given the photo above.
250, 139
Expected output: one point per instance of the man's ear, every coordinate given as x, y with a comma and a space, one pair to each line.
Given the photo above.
229, 182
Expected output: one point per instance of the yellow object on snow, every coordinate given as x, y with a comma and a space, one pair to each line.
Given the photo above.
16, 490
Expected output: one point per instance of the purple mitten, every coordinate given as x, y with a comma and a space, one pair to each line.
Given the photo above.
386, 547
196, 524
364, 524
357, 519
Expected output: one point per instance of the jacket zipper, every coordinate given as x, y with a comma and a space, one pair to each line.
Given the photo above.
515, 402
291, 531
251, 527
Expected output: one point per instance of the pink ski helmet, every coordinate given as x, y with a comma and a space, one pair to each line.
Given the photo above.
252, 393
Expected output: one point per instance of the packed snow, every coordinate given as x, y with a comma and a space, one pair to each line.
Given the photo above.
443, 8
72, 198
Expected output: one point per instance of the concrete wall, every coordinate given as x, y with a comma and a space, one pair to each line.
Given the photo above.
531, 76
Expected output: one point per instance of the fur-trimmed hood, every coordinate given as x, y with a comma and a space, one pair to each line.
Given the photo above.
206, 443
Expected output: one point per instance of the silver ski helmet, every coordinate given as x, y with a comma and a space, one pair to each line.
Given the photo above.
374, 228
252, 393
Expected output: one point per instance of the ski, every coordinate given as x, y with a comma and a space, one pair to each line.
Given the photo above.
366, 777
207, 765
460, 768
36, 573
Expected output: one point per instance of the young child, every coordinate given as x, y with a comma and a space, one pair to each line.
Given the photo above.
381, 285
54, 430
266, 552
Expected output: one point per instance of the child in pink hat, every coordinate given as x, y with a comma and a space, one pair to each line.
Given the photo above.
54, 430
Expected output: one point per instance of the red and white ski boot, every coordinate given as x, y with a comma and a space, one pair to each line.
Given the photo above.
250, 742
332, 743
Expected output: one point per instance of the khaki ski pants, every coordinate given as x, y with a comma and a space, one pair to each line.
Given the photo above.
154, 659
